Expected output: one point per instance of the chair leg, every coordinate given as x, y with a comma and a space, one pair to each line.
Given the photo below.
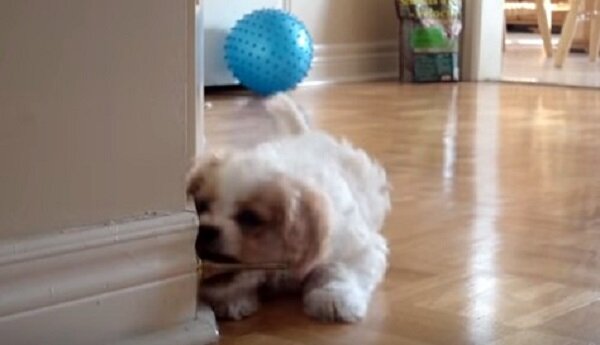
567, 33
504, 34
595, 33
543, 9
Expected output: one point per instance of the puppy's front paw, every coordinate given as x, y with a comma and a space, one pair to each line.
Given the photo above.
339, 303
236, 309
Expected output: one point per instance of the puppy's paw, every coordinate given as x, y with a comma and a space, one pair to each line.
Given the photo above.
236, 309
339, 303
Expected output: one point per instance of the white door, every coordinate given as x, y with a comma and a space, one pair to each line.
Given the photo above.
219, 17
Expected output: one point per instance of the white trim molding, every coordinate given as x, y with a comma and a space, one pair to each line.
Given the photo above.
102, 284
354, 62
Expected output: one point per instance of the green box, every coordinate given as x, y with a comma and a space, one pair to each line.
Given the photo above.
429, 39
435, 67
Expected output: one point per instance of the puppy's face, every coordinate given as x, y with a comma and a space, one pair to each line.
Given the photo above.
248, 213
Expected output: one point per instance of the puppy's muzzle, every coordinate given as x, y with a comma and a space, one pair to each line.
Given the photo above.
207, 238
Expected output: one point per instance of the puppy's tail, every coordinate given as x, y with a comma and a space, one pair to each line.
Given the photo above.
288, 116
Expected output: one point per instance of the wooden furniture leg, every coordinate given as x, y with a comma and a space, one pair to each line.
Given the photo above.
543, 9
504, 34
567, 33
595, 32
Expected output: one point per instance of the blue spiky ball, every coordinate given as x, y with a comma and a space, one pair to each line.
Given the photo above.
269, 51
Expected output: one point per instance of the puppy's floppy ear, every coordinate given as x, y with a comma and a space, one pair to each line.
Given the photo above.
197, 176
194, 180
307, 229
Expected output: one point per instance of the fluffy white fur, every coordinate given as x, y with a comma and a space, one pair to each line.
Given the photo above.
355, 200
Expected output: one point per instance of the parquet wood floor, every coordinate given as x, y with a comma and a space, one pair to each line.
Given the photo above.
495, 229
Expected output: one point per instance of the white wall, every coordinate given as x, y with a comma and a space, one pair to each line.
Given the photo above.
98, 123
348, 21
354, 39
96, 103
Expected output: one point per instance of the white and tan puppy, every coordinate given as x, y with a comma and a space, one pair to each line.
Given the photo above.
306, 199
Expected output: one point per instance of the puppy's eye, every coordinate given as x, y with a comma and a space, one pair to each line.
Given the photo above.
249, 219
202, 206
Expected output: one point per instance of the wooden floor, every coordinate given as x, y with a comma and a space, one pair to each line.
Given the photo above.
524, 60
495, 231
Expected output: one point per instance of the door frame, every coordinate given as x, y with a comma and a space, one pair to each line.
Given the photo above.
483, 34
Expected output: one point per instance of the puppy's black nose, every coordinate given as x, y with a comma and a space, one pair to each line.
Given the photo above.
207, 235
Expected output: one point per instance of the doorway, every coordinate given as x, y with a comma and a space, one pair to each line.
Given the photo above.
525, 59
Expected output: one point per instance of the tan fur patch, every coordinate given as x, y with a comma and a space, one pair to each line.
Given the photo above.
200, 180
307, 229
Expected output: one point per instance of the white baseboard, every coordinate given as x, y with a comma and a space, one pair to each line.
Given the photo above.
196, 332
353, 62
100, 284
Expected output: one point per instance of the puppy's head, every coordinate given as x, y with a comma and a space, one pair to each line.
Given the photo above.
252, 214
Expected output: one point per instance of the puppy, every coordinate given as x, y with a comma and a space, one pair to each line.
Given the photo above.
306, 199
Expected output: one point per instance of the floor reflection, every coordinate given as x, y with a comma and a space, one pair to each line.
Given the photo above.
484, 242
450, 137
